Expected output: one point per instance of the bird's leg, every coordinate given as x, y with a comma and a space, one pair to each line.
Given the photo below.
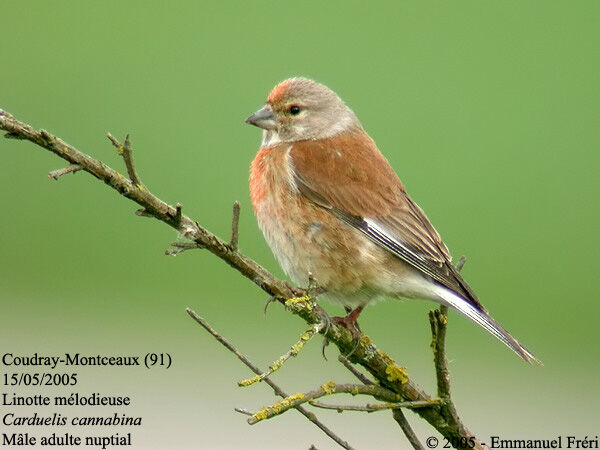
349, 310
298, 292
349, 322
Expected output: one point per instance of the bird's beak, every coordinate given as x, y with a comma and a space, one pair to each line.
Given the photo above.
263, 118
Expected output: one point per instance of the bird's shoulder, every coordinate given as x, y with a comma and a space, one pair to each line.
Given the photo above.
349, 172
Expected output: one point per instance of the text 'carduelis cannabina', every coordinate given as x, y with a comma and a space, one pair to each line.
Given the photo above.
330, 205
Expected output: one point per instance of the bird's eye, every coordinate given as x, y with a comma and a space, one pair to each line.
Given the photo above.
294, 110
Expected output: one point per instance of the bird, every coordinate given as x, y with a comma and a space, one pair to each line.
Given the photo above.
332, 209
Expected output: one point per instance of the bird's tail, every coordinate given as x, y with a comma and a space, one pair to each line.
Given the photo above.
483, 319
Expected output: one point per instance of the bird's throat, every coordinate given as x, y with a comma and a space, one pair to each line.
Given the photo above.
270, 138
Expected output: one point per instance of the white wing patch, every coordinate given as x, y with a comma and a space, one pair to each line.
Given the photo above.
387, 236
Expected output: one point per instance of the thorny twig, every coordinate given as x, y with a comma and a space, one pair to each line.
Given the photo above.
56, 174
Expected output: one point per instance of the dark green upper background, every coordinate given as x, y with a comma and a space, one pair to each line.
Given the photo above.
488, 111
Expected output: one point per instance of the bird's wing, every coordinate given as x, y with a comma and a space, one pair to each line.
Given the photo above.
349, 176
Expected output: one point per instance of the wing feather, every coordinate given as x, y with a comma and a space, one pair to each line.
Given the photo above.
349, 176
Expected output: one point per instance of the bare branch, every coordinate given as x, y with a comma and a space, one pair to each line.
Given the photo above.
348, 365
180, 247
310, 416
243, 411
56, 174
151, 204
400, 418
376, 407
126, 152
438, 319
178, 213
235, 223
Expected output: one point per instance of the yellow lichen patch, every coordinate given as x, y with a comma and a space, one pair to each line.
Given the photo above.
383, 406
297, 396
396, 373
386, 358
355, 391
277, 364
297, 300
286, 403
443, 319
329, 387
365, 340
249, 381
306, 335
261, 414
296, 348
280, 406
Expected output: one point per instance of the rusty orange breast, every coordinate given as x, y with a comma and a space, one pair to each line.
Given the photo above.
268, 175
258, 185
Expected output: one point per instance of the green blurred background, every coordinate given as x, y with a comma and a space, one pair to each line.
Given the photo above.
489, 112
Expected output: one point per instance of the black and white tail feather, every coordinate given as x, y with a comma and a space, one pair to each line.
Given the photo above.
483, 319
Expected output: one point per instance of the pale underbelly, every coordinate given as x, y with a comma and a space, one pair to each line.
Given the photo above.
352, 269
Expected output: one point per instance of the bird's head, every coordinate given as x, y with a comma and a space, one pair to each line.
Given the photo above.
299, 109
